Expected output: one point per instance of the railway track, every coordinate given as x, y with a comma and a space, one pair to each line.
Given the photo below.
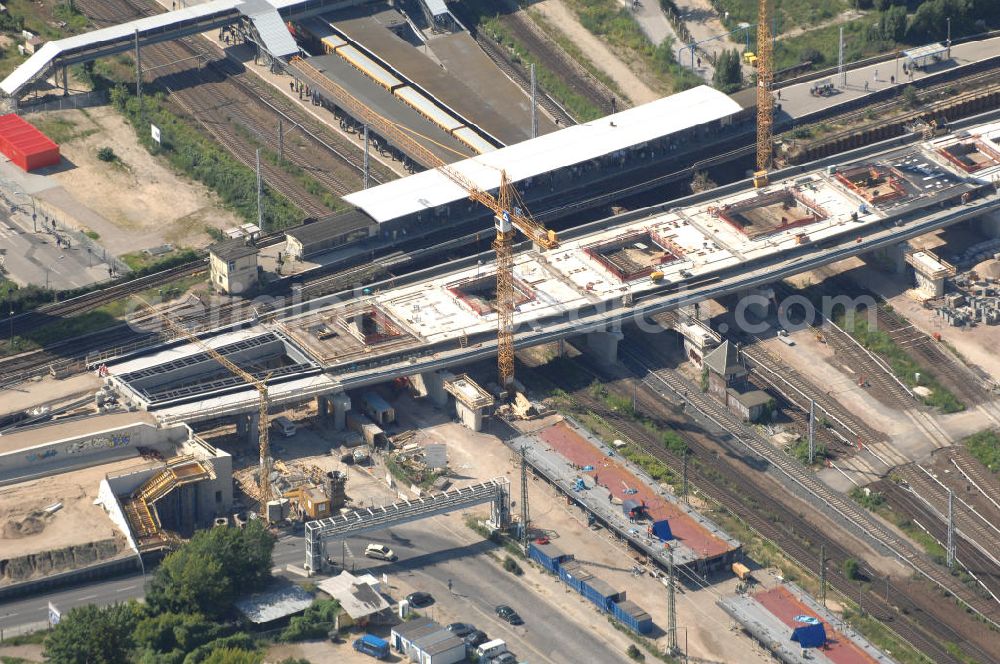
500, 58
866, 525
220, 97
796, 537
978, 564
582, 82
968, 522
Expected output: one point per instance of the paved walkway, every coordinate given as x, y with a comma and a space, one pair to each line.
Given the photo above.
650, 17
796, 100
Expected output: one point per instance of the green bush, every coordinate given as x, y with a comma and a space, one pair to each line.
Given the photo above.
871, 500
315, 623
107, 154
511, 566
634, 653
728, 75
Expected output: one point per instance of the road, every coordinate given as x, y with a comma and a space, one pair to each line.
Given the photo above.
796, 100
430, 554
31, 257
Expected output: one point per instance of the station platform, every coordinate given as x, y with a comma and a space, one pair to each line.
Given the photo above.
562, 451
445, 146
459, 52
770, 615
448, 87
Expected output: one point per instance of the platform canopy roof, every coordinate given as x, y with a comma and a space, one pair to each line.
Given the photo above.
550, 152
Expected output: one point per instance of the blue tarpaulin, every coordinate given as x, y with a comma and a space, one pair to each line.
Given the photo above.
661, 530
809, 633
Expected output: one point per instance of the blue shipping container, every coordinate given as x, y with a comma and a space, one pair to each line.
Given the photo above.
573, 575
548, 556
633, 617
600, 593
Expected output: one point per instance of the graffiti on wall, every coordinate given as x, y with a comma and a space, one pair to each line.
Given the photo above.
38, 456
100, 442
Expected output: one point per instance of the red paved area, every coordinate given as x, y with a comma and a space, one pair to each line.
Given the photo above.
785, 606
614, 477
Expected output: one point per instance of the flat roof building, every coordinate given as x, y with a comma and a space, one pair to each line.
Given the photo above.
315, 238
427, 201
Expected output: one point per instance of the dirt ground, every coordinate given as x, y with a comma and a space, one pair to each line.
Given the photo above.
26, 531
138, 201
46, 390
559, 15
31, 652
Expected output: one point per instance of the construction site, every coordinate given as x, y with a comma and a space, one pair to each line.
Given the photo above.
745, 423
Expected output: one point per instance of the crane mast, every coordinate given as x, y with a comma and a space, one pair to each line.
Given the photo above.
264, 481
503, 245
765, 103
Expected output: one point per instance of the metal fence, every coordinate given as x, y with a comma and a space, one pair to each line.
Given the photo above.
24, 628
80, 100
46, 221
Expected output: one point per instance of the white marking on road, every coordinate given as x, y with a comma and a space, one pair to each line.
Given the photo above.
87, 597
121, 590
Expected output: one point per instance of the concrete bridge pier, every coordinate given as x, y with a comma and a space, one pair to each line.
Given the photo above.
248, 427
604, 345
469, 416
332, 409
989, 224
894, 255
755, 302
430, 384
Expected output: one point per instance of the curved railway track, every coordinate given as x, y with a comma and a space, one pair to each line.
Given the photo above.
797, 538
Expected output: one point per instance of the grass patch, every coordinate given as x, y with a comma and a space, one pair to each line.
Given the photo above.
789, 13
880, 636
860, 41
617, 26
902, 365
31, 638
142, 263
985, 446
870, 500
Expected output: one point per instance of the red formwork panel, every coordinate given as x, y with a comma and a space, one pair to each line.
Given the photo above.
25, 145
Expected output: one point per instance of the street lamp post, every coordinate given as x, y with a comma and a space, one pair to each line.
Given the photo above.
948, 41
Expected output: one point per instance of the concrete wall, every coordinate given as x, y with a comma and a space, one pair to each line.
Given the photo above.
88, 449
106, 498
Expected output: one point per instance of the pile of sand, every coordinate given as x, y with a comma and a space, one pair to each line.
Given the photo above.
31, 524
988, 269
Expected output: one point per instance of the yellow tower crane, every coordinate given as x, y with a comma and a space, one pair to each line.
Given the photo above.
264, 481
765, 103
508, 218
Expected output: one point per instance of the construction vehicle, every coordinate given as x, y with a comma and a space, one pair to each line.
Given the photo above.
765, 104
259, 384
508, 209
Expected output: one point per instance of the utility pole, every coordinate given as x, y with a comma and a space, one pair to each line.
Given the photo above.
138, 72
812, 431
260, 207
822, 575
534, 105
524, 498
841, 72
684, 477
281, 142
367, 162
671, 605
951, 529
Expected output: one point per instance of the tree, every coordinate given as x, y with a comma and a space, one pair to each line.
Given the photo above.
233, 656
892, 23
94, 635
812, 55
209, 572
728, 76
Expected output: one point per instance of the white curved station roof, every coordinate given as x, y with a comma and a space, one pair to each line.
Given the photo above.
549, 152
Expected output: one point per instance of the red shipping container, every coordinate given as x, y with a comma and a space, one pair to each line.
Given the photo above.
25, 145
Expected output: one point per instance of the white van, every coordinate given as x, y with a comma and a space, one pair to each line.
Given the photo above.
284, 426
491, 649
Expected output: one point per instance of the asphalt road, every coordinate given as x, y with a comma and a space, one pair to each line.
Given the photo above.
430, 553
